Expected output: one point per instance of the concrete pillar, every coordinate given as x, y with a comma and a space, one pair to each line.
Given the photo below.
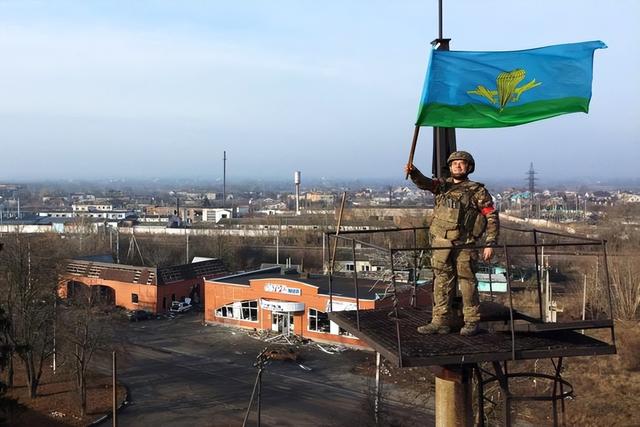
454, 397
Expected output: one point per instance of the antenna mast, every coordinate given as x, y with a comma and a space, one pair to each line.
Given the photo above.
224, 177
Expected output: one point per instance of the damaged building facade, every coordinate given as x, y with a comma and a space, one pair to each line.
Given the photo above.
293, 303
139, 288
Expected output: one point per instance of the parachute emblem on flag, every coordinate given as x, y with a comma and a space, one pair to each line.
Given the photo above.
507, 88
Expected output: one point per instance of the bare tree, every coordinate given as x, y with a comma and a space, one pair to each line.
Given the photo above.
625, 286
86, 326
28, 282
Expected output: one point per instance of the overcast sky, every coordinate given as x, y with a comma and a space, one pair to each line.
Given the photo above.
97, 89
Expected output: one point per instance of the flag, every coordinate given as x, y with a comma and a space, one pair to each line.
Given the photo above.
497, 89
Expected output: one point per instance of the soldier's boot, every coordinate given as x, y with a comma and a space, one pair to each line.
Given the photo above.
434, 328
470, 329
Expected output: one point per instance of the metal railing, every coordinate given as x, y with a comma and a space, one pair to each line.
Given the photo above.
418, 252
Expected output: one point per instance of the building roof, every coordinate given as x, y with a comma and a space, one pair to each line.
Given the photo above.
110, 271
145, 275
206, 269
342, 286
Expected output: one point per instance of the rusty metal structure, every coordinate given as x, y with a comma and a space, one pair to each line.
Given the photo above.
511, 335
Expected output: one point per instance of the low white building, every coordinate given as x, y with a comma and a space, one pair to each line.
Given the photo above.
111, 214
215, 215
86, 207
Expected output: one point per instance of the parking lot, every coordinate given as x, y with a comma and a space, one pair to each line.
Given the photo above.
179, 372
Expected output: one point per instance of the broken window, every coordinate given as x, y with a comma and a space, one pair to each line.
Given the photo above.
134, 298
225, 311
250, 310
241, 310
318, 321
344, 333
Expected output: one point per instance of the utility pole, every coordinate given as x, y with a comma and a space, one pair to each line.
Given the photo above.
117, 245
186, 232
115, 389
224, 178
55, 318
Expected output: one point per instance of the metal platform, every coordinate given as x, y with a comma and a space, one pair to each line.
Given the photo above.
399, 342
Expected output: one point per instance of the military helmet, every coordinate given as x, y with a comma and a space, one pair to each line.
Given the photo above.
462, 155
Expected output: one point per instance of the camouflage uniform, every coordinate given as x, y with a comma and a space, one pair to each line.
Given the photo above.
463, 213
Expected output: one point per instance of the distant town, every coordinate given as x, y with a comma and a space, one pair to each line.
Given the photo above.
57, 207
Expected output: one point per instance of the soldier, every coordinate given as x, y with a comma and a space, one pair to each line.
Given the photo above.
463, 213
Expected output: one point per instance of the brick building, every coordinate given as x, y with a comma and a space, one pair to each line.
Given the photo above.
295, 303
145, 288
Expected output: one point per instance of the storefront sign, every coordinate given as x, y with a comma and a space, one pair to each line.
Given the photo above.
286, 306
281, 289
341, 306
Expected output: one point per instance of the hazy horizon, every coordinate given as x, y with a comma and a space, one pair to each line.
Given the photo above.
275, 184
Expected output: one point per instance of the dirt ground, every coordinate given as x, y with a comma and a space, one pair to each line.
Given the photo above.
57, 400
607, 388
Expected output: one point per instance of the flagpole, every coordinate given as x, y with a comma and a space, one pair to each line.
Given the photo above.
440, 19
444, 139
416, 131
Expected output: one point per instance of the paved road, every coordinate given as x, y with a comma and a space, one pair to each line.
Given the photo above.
181, 373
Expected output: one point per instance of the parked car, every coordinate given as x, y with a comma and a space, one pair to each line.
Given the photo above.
136, 315
180, 306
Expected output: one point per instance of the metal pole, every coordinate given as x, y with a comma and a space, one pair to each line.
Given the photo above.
535, 248
606, 275
55, 316
224, 177
513, 333
324, 250
480, 416
554, 401
355, 283
115, 389
414, 300
507, 396
335, 244
440, 19
377, 398
548, 288
117, 245
395, 313
333, 251
259, 393
503, 380
490, 281
584, 297
253, 393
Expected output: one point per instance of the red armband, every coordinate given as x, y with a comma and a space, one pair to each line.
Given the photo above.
486, 211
